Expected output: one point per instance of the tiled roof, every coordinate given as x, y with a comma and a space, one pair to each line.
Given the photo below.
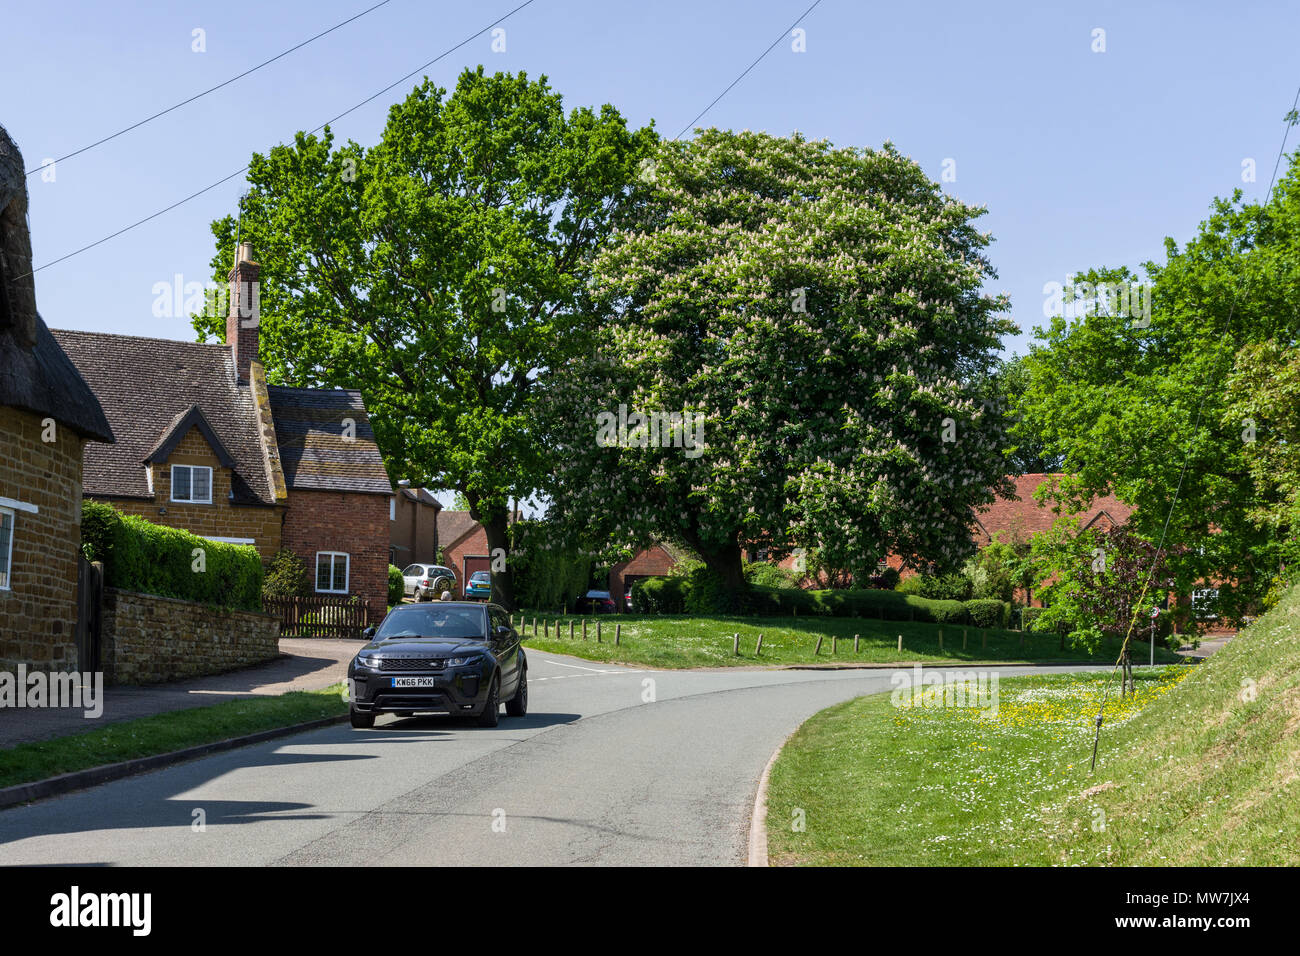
452, 525
315, 452
1026, 516
145, 386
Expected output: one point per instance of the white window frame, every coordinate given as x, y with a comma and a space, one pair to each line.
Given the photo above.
7, 584
347, 571
191, 501
392, 509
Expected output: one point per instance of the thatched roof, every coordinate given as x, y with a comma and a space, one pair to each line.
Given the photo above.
35, 374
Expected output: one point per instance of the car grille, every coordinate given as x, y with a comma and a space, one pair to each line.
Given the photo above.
411, 663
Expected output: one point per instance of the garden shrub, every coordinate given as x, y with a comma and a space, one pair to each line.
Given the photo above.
988, 612
396, 585
659, 595
287, 576
768, 575
152, 559
909, 585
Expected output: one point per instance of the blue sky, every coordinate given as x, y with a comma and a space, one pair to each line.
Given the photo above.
1082, 158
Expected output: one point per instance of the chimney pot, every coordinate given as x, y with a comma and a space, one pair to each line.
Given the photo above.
244, 319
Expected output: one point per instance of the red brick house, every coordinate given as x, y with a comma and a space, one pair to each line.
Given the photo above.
464, 545
413, 527
205, 444
653, 562
48, 415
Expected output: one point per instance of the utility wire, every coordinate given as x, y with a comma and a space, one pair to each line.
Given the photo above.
244, 169
1182, 474
211, 89
751, 66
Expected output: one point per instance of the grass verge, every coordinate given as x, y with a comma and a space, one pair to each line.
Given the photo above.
682, 641
1201, 769
163, 733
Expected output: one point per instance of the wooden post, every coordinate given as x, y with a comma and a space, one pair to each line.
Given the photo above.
597, 630
546, 629
584, 628
570, 629
618, 634
900, 642
963, 638
735, 644
855, 643
835, 645
818, 649
758, 648
534, 627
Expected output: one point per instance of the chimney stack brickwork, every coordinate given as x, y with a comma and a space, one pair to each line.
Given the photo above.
244, 317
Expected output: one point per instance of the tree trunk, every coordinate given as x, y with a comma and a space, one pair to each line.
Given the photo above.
496, 522
728, 564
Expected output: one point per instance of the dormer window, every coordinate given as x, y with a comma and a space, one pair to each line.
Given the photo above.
192, 484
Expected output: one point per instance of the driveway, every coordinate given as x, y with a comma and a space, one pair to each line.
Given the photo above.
613, 765
304, 664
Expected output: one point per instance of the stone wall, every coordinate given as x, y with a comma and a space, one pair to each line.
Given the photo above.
38, 609
147, 639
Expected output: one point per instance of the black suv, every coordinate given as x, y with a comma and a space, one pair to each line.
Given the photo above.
448, 657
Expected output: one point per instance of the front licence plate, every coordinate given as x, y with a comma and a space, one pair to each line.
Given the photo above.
413, 682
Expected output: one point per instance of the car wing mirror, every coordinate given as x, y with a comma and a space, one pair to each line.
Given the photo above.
369, 633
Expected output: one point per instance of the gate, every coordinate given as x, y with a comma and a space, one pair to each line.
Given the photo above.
319, 616
90, 604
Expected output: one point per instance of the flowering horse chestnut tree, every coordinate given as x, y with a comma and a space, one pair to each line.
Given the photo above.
819, 313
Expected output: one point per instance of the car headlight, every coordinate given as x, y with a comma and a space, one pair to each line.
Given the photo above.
467, 659
367, 660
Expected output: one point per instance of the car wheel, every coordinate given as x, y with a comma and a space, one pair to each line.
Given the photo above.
361, 721
517, 706
491, 713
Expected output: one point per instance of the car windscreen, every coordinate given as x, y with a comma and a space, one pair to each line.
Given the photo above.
452, 623
479, 576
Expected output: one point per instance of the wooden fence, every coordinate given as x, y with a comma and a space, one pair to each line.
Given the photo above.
319, 616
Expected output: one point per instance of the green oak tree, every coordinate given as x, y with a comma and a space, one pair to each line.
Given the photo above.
815, 317
1138, 404
443, 272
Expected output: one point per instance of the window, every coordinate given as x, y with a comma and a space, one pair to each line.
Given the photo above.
392, 509
6, 546
414, 571
192, 483
332, 572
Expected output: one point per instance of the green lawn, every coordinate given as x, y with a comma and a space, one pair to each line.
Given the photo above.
163, 733
673, 641
1200, 769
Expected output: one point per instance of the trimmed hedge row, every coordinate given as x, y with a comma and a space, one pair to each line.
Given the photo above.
673, 595
152, 559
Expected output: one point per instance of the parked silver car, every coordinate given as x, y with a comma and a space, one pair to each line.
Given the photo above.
423, 582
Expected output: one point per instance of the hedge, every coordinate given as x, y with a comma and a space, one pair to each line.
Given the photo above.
659, 595
988, 612
152, 559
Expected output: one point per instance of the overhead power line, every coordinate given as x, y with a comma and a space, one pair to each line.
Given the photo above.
747, 69
244, 169
211, 89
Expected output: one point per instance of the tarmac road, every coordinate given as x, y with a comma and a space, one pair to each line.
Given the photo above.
612, 766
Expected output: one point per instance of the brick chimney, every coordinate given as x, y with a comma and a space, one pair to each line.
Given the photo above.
243, 318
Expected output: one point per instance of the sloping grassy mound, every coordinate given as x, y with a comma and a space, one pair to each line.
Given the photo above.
1200, 769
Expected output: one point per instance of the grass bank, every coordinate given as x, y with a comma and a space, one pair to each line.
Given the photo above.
1200, 769
683, 641
163, 733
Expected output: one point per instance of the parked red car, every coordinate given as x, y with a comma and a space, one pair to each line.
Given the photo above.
596, 602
